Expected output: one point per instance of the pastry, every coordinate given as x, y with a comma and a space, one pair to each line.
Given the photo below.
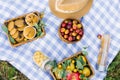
10, 25
20, 28
19, 23
29, 32
16, 35
31, 19
13, 31
20, 38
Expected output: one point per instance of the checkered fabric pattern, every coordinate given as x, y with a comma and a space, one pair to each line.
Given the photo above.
103, 18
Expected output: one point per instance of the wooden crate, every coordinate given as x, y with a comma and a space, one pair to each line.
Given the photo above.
23, 42
74, 55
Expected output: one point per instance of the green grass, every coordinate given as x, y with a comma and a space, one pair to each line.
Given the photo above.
8, 72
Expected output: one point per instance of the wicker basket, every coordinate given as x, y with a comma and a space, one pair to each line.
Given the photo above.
23, 42
62, 38
74, 55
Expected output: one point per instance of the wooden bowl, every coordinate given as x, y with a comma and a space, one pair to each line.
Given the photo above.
78, 29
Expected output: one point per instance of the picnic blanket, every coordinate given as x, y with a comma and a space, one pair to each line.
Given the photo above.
103, 18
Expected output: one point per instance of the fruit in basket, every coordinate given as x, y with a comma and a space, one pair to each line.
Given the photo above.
29, 32
86, 71
73, 76
62, 30
72, 66
73, 28
31, 19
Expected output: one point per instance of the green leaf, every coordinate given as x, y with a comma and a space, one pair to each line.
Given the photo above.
54, 69
5, 29
81, 60
39, 33
67, 62
84, 51
36, 26
12, 40
41, 24
64, 66
82, 76
79, 64
61, 73
53, 63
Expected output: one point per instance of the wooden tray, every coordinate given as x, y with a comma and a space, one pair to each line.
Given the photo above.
19, 17
74, 55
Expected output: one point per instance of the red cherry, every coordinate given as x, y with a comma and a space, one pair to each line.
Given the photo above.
78, 37
74, 34
74, 27
77, 31
63, 24
70, 23
99, 36
70, 38
62, 30
71, 29
81, 33
65, 36
62, 33
68, 26
66, 31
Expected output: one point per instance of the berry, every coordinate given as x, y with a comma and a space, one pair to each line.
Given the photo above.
71, 29
74, 34
81, 33
78, 37
77, 31
62, 30
65, 36
99, 36
68, 26
59, 66
79, 26
70, 38
63, 24
66, 21
73, 61
66, 31
74, 22
74, 27
70, 23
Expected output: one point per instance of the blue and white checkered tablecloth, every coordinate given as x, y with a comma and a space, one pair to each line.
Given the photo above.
104, 17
